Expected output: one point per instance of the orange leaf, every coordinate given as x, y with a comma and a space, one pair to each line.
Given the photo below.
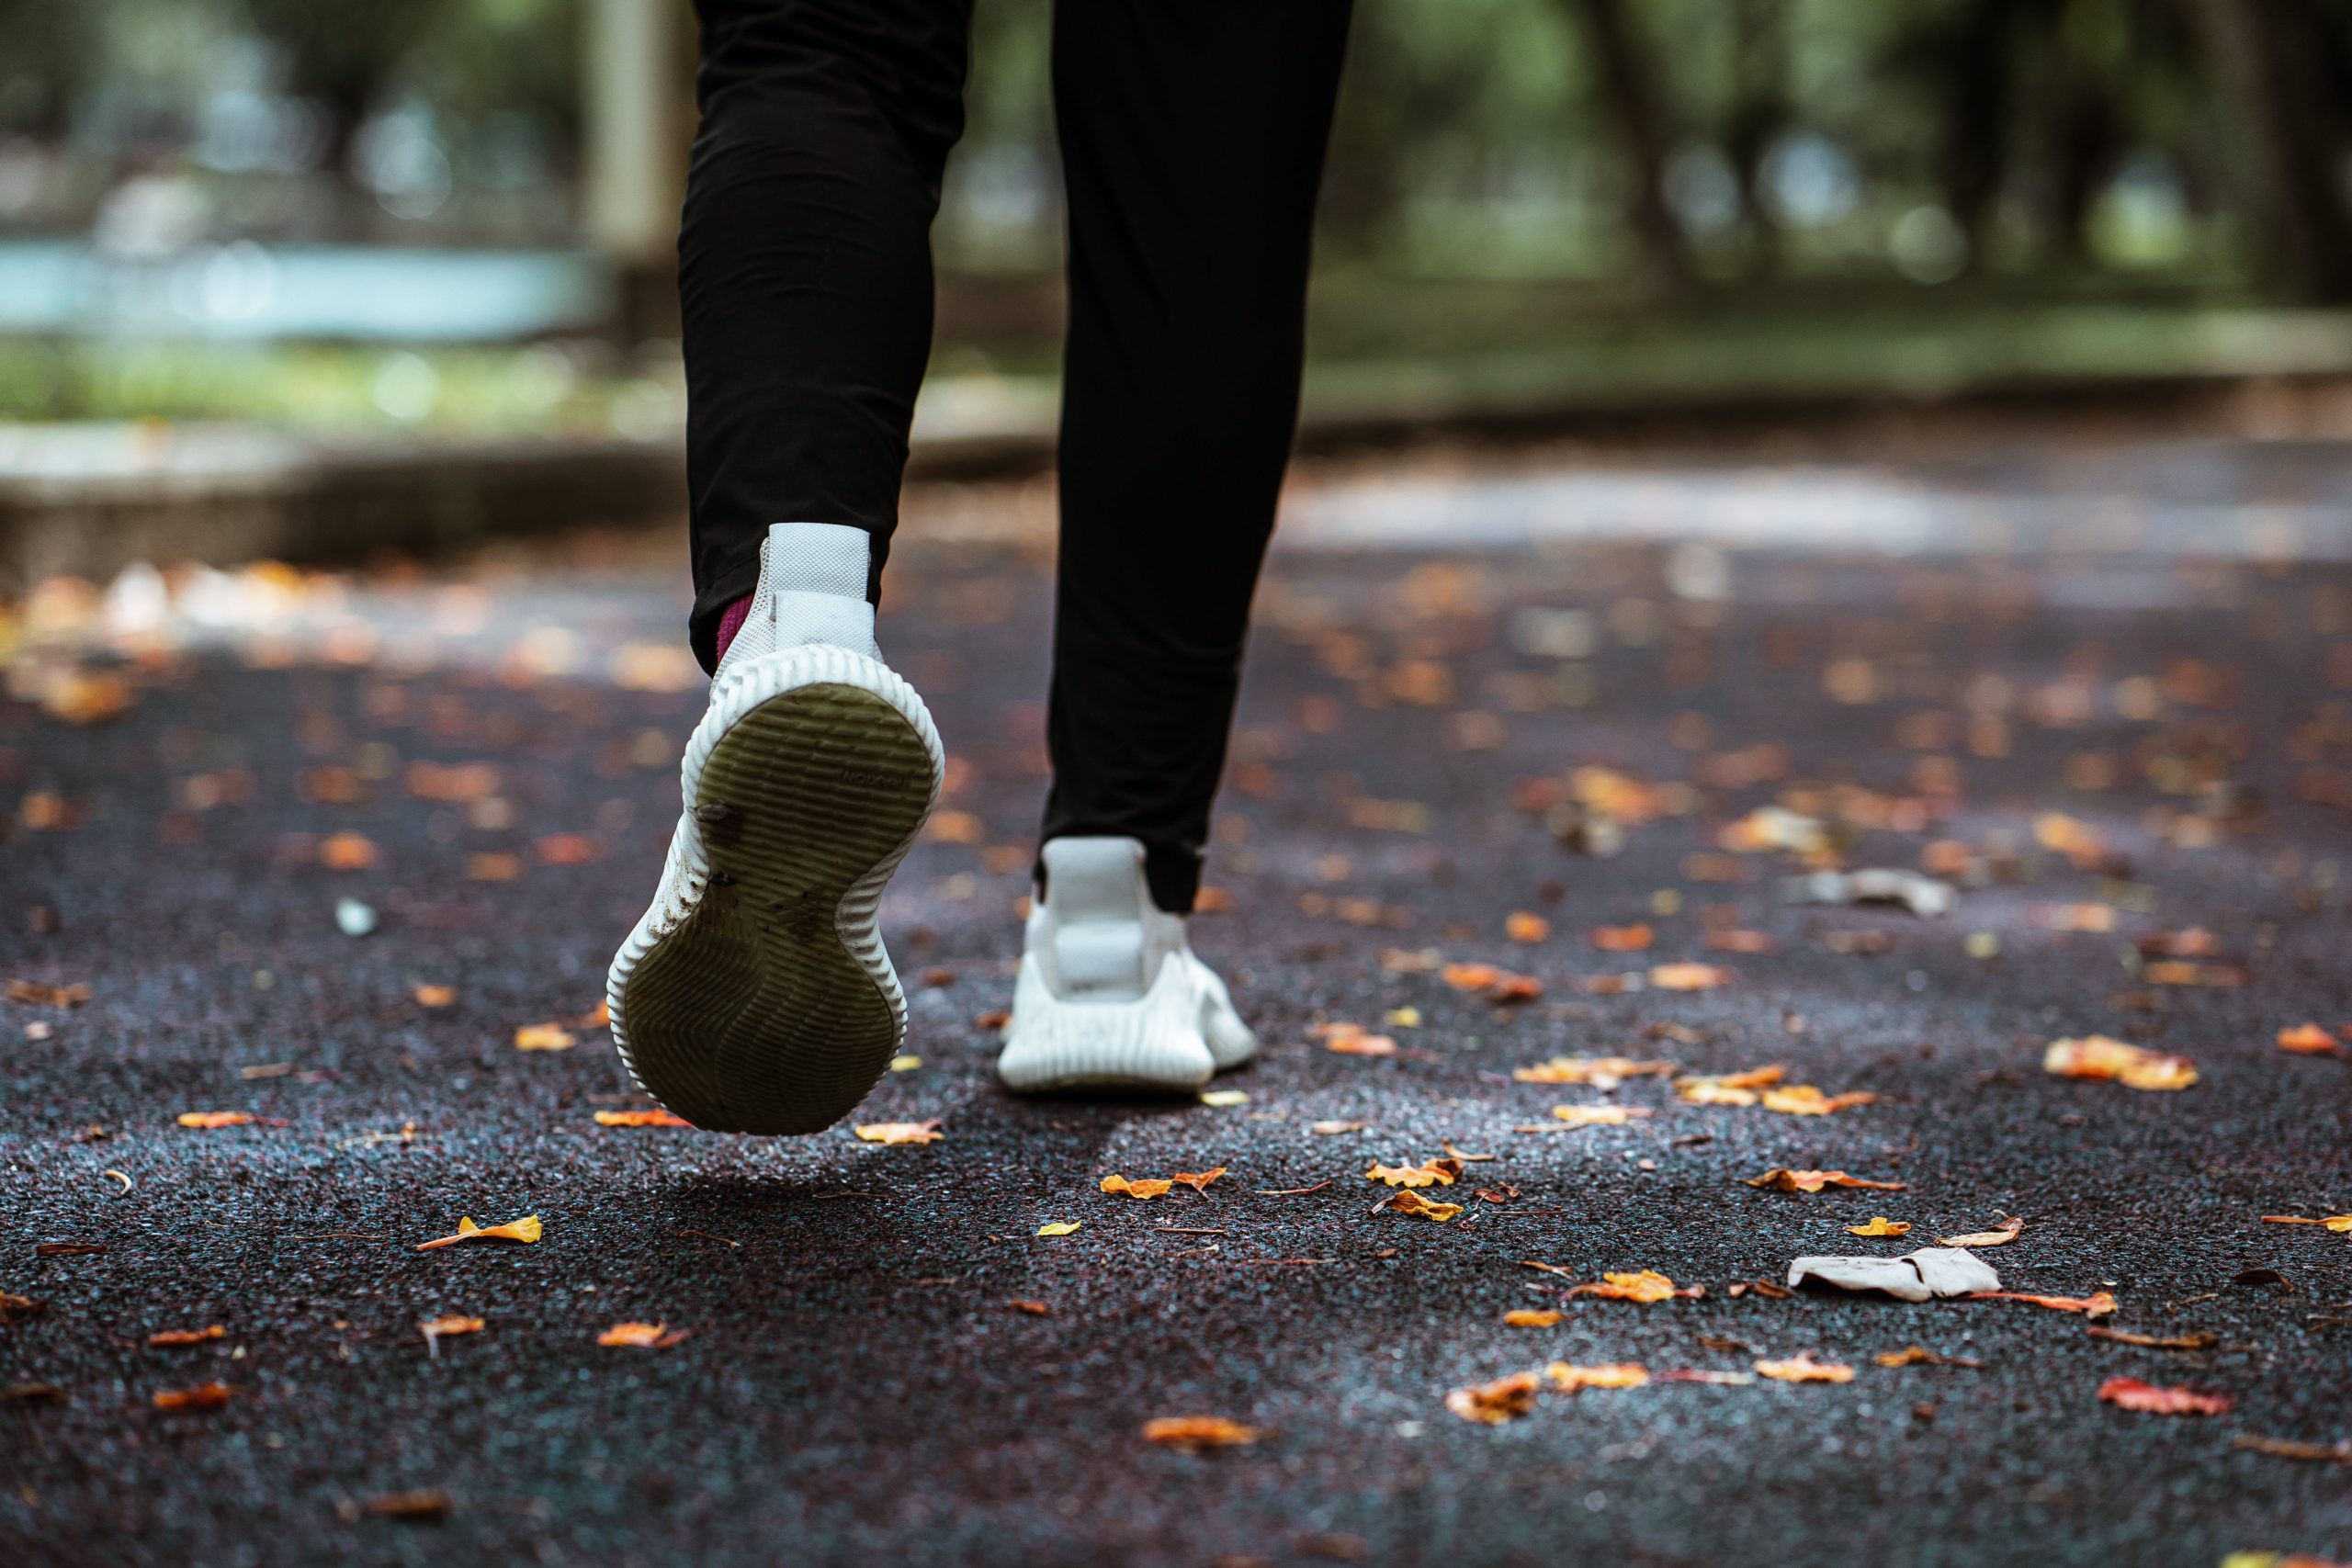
1603, 1072
1919, 1355
1410, 1202
640, 1336
346, 852
2097, 1056
449, 1326
565, 849
1804, 1368
1785, 1181
41, 994
1430, 1173
1146, 1189
209, 1120
899, 1132
1351, 1039
545, 1037
1599, 1115
2004, 1234
1522, 1317
1648, 1285
435, 996
2097, 1305
2134, 1394
187, 1335
1728, 1089
203, 1396
1496, 1402
1881, 1225
1194, 1433
1736, 940
1515, 989
1623, 939
1618, 1374
1034, 1308
1804, 1100
2307, 1038
2337, 1222
1198, 1180
525, 1229
1689, 977
654, 1118
1523, 927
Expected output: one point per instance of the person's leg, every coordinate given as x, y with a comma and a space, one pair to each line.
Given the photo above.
1193, 135
755, 995
804, 269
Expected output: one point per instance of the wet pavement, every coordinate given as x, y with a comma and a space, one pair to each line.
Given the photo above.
2131, 762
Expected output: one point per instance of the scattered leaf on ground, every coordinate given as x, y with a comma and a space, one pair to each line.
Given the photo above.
2338, 1222
1060, 1227
39, 994
2097, 1056
203, 1396
1523, 1317
2002, 1234
1881, 1225
1723, 1379
1915, 1277
1430, 1173
1144, 1188
545, 1037
449, 1326
1804, 1100
1406, 1202
2132, 1394
525, 1229
1329, 1128
1353, 1040
1689, 977
2282, 1448
1496, 1402
640, 1336
899, 1132
1619, 1374
2308, 1038
1194, 1433
431, 1504
1224, 1098
1804, 1368
1521, 926
208, 1121
1600, 1115
1603, 1072
435, 996
171, 1336
2097, 1305
1781, 1180
1034, 1308
1623, 939
1647, 1285
1919, 1356
1728, 1089
657, 1117
2155, 1341
1198, 1180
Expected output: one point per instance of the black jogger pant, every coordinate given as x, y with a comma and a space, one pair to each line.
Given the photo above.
1193, 134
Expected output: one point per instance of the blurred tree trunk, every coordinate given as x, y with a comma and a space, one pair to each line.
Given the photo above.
1632, 91
1758, 119
2272, 55
1980, 93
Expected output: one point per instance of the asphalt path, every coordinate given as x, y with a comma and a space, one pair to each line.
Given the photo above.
857, 1378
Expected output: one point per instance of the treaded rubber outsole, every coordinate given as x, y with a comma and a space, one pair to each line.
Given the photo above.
754, 1015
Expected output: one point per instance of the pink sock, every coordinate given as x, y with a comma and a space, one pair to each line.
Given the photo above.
731, 621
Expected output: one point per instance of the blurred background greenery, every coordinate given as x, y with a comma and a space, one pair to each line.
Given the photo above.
453, 215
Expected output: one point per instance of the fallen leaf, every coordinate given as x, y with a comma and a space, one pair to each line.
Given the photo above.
2132, 1394
1599, 1115
1728, 1089
1329, 1129
565, 849
1521, 926
1785, 1181
1060, 1227
208, 1121
1198, 1180
545, 1037
449, 1327
1623, 939
1603, 1072
2337, 1222
1224, 1098
640, 1336
12, 1305
1804, 1100
1194, 1433
1146, 1189
1353, 1040
1034, 1308
171, 1336
1914, 1277
346, 852
1406, 1202
1689, 977
1648, 1285
431, 1504
1523, 1317
1804, 1368
1430, 1173
1732, 940
435, 996
31, 1394
657, 1117
1496, 1402
1725, 1380
1619, 1374
2006, 1233
39, 994
2155, 1341
899, 1132
525, 1229
2282, 1448
2097, 1305
2308, 1038
2177, 973
2097, 1056
1452, 1153
1498, 984
203, 1396
1919, 1355
1881, 1225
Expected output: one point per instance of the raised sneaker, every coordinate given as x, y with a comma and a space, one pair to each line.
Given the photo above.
755, 996
1110, 994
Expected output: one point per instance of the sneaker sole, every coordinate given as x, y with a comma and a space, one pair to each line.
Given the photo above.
771, 1006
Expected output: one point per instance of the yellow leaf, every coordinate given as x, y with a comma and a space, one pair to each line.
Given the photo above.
1599, 1115
1804, 1100
1224, 1096
1431, 1173
2309, 1039
1881, 1225
1149, 1188
637, 1336
654, 1118
2001, 1237
899, 1132
905, 1064
1059, 1227
1785, 1181
1689, 977
1804, 1368
435, 996
1619, 1374
1603, 1072
1647, 1285
2097, 1056
525, 1229
1728, 1089
453, 1324
1525, 927
1410, 1202
545, 1037
1496, 1402
1523, 1318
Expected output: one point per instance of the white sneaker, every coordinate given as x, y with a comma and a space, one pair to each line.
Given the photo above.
1109, 992
755, 996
